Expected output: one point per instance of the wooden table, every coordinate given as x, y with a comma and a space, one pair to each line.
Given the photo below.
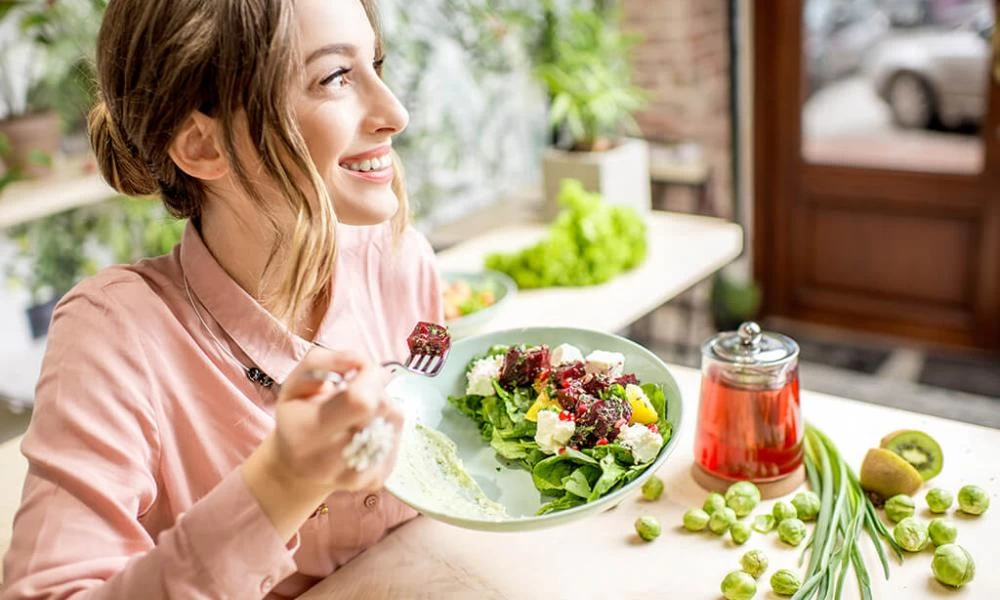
683, 250
601, 557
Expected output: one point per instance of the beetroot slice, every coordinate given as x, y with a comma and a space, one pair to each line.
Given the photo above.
522, 366
429, 338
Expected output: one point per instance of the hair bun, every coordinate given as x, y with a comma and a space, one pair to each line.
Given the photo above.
116, 158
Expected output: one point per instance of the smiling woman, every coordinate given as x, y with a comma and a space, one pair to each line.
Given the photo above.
179, 446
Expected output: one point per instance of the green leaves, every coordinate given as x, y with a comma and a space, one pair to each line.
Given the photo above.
588, 243
588, 77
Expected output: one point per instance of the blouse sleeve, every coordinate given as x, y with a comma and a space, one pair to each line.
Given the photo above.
93, 455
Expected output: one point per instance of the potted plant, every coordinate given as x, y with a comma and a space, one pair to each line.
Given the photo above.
45, 76
584, 66
51, 258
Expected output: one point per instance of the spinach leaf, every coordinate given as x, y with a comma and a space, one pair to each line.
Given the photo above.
568, 500
622, 454
577, 483
611, 475
548, 474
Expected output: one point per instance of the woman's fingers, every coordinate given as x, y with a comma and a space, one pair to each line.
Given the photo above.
306, 380
359, 401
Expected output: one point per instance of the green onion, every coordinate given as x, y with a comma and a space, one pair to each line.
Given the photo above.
845, 511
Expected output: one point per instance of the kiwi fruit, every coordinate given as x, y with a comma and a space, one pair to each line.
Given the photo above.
886, 474
918, 449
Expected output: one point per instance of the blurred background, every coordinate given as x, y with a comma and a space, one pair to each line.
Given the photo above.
851, 139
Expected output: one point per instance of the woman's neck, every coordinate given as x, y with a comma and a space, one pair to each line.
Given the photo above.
243, 248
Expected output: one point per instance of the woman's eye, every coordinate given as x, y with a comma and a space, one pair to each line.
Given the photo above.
337, 79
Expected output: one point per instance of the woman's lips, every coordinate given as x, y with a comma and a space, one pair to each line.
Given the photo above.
374, 165
384, 175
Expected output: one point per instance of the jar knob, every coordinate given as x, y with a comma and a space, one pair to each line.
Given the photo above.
750, 334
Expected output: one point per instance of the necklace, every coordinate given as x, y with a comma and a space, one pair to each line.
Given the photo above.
253, 373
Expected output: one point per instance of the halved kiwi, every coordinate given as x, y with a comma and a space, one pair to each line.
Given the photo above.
918, 449
885, 474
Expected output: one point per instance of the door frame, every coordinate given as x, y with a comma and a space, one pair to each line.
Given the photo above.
782, 179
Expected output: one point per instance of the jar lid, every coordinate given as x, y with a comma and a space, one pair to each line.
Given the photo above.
748, 345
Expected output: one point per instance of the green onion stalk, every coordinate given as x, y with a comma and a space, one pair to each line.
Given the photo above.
834, 547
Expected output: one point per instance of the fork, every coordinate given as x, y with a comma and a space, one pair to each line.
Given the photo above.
372, 444
428, 365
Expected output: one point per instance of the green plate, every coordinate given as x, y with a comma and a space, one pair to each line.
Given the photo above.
503, 288
425, 400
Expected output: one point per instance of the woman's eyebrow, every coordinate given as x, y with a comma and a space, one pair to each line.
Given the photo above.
345, 49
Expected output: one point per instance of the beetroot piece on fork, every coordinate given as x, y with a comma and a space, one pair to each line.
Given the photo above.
429, 339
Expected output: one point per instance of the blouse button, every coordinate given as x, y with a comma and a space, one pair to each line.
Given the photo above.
371, 501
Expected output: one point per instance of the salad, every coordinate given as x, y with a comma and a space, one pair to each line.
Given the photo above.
582, 426
462, 298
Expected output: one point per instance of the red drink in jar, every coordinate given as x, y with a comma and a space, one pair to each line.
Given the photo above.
750, 419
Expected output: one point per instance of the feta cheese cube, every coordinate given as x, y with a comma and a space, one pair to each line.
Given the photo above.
565, 354
482, 375
552, 434
611, 364
641, 441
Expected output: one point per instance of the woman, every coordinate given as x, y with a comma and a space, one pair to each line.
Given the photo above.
182, 446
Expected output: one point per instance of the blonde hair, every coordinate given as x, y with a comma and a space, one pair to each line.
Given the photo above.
160, 60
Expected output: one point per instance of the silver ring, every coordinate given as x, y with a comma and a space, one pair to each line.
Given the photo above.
370, 446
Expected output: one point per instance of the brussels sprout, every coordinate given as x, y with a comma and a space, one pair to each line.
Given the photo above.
785, 582
939, 500
973, 500
754, 563
792, 531
740, 532
738, 586
764, 523
942, 532
953, 565
899, 507
713, 503
807, 505
742, 497
695, 519
911, 534
722, 520
652, 488
648, 528
784, 510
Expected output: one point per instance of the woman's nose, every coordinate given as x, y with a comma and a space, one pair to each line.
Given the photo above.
386, 115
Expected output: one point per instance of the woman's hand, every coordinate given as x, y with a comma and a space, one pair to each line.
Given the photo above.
302, 461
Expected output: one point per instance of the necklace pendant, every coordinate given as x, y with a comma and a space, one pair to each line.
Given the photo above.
259, 377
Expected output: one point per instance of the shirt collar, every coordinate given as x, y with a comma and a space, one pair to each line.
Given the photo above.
269, 345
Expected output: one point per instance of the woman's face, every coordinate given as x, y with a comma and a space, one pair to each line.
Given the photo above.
346, 113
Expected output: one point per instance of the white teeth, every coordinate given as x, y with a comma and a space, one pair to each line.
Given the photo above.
369, 164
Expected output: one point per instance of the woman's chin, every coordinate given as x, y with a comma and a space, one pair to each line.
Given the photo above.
370, 208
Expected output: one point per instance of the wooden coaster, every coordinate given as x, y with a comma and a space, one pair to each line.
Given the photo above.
768, 489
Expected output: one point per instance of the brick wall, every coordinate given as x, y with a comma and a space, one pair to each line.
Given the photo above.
684, 62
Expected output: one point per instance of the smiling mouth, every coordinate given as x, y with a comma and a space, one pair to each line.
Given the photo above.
369, 165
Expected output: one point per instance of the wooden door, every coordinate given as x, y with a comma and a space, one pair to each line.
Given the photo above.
865, 216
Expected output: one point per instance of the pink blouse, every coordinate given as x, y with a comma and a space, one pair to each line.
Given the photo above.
142, 419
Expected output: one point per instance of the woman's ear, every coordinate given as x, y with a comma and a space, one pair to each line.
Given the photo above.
197, 148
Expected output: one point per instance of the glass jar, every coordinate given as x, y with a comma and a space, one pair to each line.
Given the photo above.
750, 419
